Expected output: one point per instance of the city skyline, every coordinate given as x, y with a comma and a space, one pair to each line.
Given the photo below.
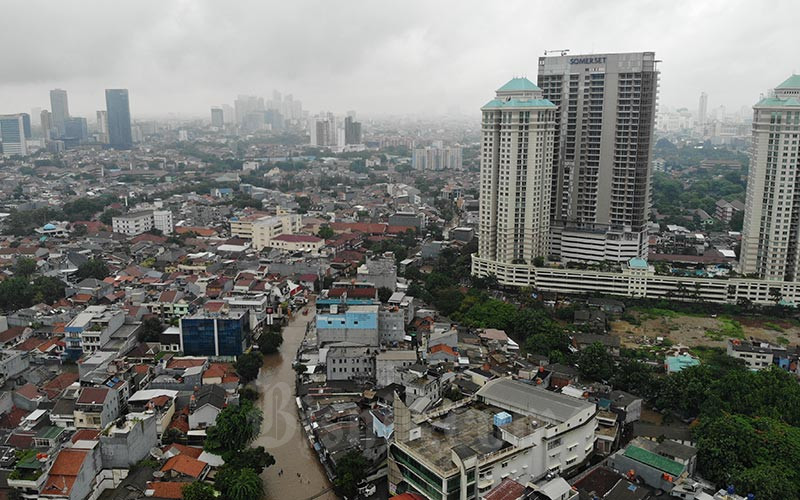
331, 68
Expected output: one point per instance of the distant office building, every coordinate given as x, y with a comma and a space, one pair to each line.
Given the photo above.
119, 119
223, 334
76, 130
26, 124
352, 130
228, 114
601, 175
702, 109
47, 124
323, 131
59, 107
437, 158
12, 134
518, 128
245, 105
102, 126
771, 234
217, 118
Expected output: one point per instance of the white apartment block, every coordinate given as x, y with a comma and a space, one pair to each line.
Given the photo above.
437, 158
136, 223
265, 229
771, 232
517, 129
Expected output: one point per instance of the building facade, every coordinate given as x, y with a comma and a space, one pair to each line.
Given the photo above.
59, 109
601, 171
517, 129
119, 119
771, 231
223, 335
12, 135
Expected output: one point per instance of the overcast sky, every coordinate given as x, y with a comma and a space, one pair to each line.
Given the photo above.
376, 57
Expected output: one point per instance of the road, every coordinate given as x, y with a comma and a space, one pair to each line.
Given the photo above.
281, 433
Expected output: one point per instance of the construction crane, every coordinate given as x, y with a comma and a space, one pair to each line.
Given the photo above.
563, 52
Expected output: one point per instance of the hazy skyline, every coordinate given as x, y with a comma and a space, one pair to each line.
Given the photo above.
408, 57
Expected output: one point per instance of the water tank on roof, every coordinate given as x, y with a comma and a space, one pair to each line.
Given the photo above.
502, 418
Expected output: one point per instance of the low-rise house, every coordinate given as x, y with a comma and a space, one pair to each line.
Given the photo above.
96, 407
205, 405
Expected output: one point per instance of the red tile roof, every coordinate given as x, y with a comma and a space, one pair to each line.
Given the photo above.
12, 418
29, 391
445, 349
508, 489
85, 435
186, 465
183, 363
297, 238
64, 471
29, 344
11, 334
182, 449
93, 395
166, 489
180, 421
58, 384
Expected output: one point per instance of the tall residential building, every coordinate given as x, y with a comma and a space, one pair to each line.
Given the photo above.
26, 124
12, 135
102, 126
217, 118
702, 109
437, 158
771, 233
47, 124
119, 119
352, 130
517, 129
600, 195
59, 107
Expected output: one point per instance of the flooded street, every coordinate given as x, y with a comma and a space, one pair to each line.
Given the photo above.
281, 433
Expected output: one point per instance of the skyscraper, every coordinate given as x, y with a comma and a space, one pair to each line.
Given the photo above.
47, 124
217, 118
600, 194
702, 109
59, 107
771, 232
12, 134
26, 124
102, 126
119, 119
517, 133
352, 130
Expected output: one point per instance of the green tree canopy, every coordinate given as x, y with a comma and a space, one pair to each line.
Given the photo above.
198, 491
235, 428
93, 268
248, 365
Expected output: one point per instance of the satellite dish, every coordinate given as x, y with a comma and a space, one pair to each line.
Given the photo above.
156, 453
158, 474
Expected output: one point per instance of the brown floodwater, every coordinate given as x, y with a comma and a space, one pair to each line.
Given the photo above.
282, 433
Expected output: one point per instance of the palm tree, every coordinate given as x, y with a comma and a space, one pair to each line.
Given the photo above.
245, 485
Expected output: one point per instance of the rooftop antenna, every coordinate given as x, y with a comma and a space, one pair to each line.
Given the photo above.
563, 52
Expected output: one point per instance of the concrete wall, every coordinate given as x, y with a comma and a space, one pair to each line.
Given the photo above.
120, 451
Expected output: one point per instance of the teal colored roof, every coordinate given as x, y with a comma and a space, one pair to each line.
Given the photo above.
793, 82
49, 227
678, 363
518, 85
777, 102
518, 103
654, 460
637, 263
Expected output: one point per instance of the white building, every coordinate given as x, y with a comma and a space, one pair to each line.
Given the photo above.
512, 430
770, 236
264, 229
516, 169
135, 223
437, 158
12, 135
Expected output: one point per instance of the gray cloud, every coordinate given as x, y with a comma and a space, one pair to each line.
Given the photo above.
375, 56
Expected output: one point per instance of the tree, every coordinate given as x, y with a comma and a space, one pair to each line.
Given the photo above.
93, 268
24, 266
256, 459
80, 230
325, 232
269, 342
151, 329
595, 362
173, 435
108, 215
248, 365
351, 469
384, 294
198, 491
235, 428
737, 221
239, 484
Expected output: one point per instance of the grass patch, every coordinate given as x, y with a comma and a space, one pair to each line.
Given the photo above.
656, 312
728, 329
704, 353
782, 340
773, 326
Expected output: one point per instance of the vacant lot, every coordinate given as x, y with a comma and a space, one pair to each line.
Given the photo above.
693, 330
